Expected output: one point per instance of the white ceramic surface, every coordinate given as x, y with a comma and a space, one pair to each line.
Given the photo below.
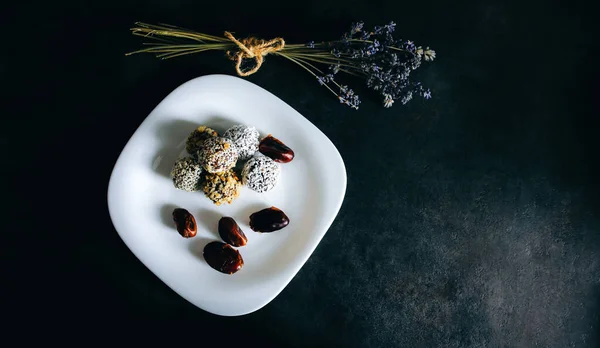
141, 196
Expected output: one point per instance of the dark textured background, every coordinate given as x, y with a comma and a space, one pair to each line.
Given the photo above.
470, 220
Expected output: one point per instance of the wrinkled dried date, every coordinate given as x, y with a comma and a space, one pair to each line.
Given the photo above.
268, 220
277, 150
185, 222
223, 257
231, 233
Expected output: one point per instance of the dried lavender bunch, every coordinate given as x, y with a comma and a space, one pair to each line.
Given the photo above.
382, 60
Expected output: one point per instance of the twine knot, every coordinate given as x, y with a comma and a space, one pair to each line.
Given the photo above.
252, 48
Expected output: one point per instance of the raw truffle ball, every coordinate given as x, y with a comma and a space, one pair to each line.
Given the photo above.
245, 139
186, 174
197, 137
261, 173
218, 154
222, 187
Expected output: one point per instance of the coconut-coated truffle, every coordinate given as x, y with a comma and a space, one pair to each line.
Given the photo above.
261, 174
245, 138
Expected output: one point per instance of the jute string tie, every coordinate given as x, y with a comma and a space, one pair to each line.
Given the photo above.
252, 48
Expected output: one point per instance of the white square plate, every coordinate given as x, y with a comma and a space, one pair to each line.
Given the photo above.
141, 196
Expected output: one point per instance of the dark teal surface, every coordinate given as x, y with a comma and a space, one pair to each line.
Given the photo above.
470, 220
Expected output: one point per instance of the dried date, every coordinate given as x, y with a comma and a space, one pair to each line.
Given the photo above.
223, 257
185, 223
276, 149
231, 233
268, 220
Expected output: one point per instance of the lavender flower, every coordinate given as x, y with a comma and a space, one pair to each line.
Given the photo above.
356, 27
348, 97
429, 54
388, 100
391, 27
407, 97
334, 68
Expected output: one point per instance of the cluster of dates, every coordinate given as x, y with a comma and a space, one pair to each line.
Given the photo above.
222, 256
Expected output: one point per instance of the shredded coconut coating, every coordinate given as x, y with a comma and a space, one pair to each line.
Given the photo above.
245, 138
186, 174
261, 174
222, 187
196, 139
218, 154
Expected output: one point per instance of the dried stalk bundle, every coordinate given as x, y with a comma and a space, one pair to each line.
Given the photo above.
385, 63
